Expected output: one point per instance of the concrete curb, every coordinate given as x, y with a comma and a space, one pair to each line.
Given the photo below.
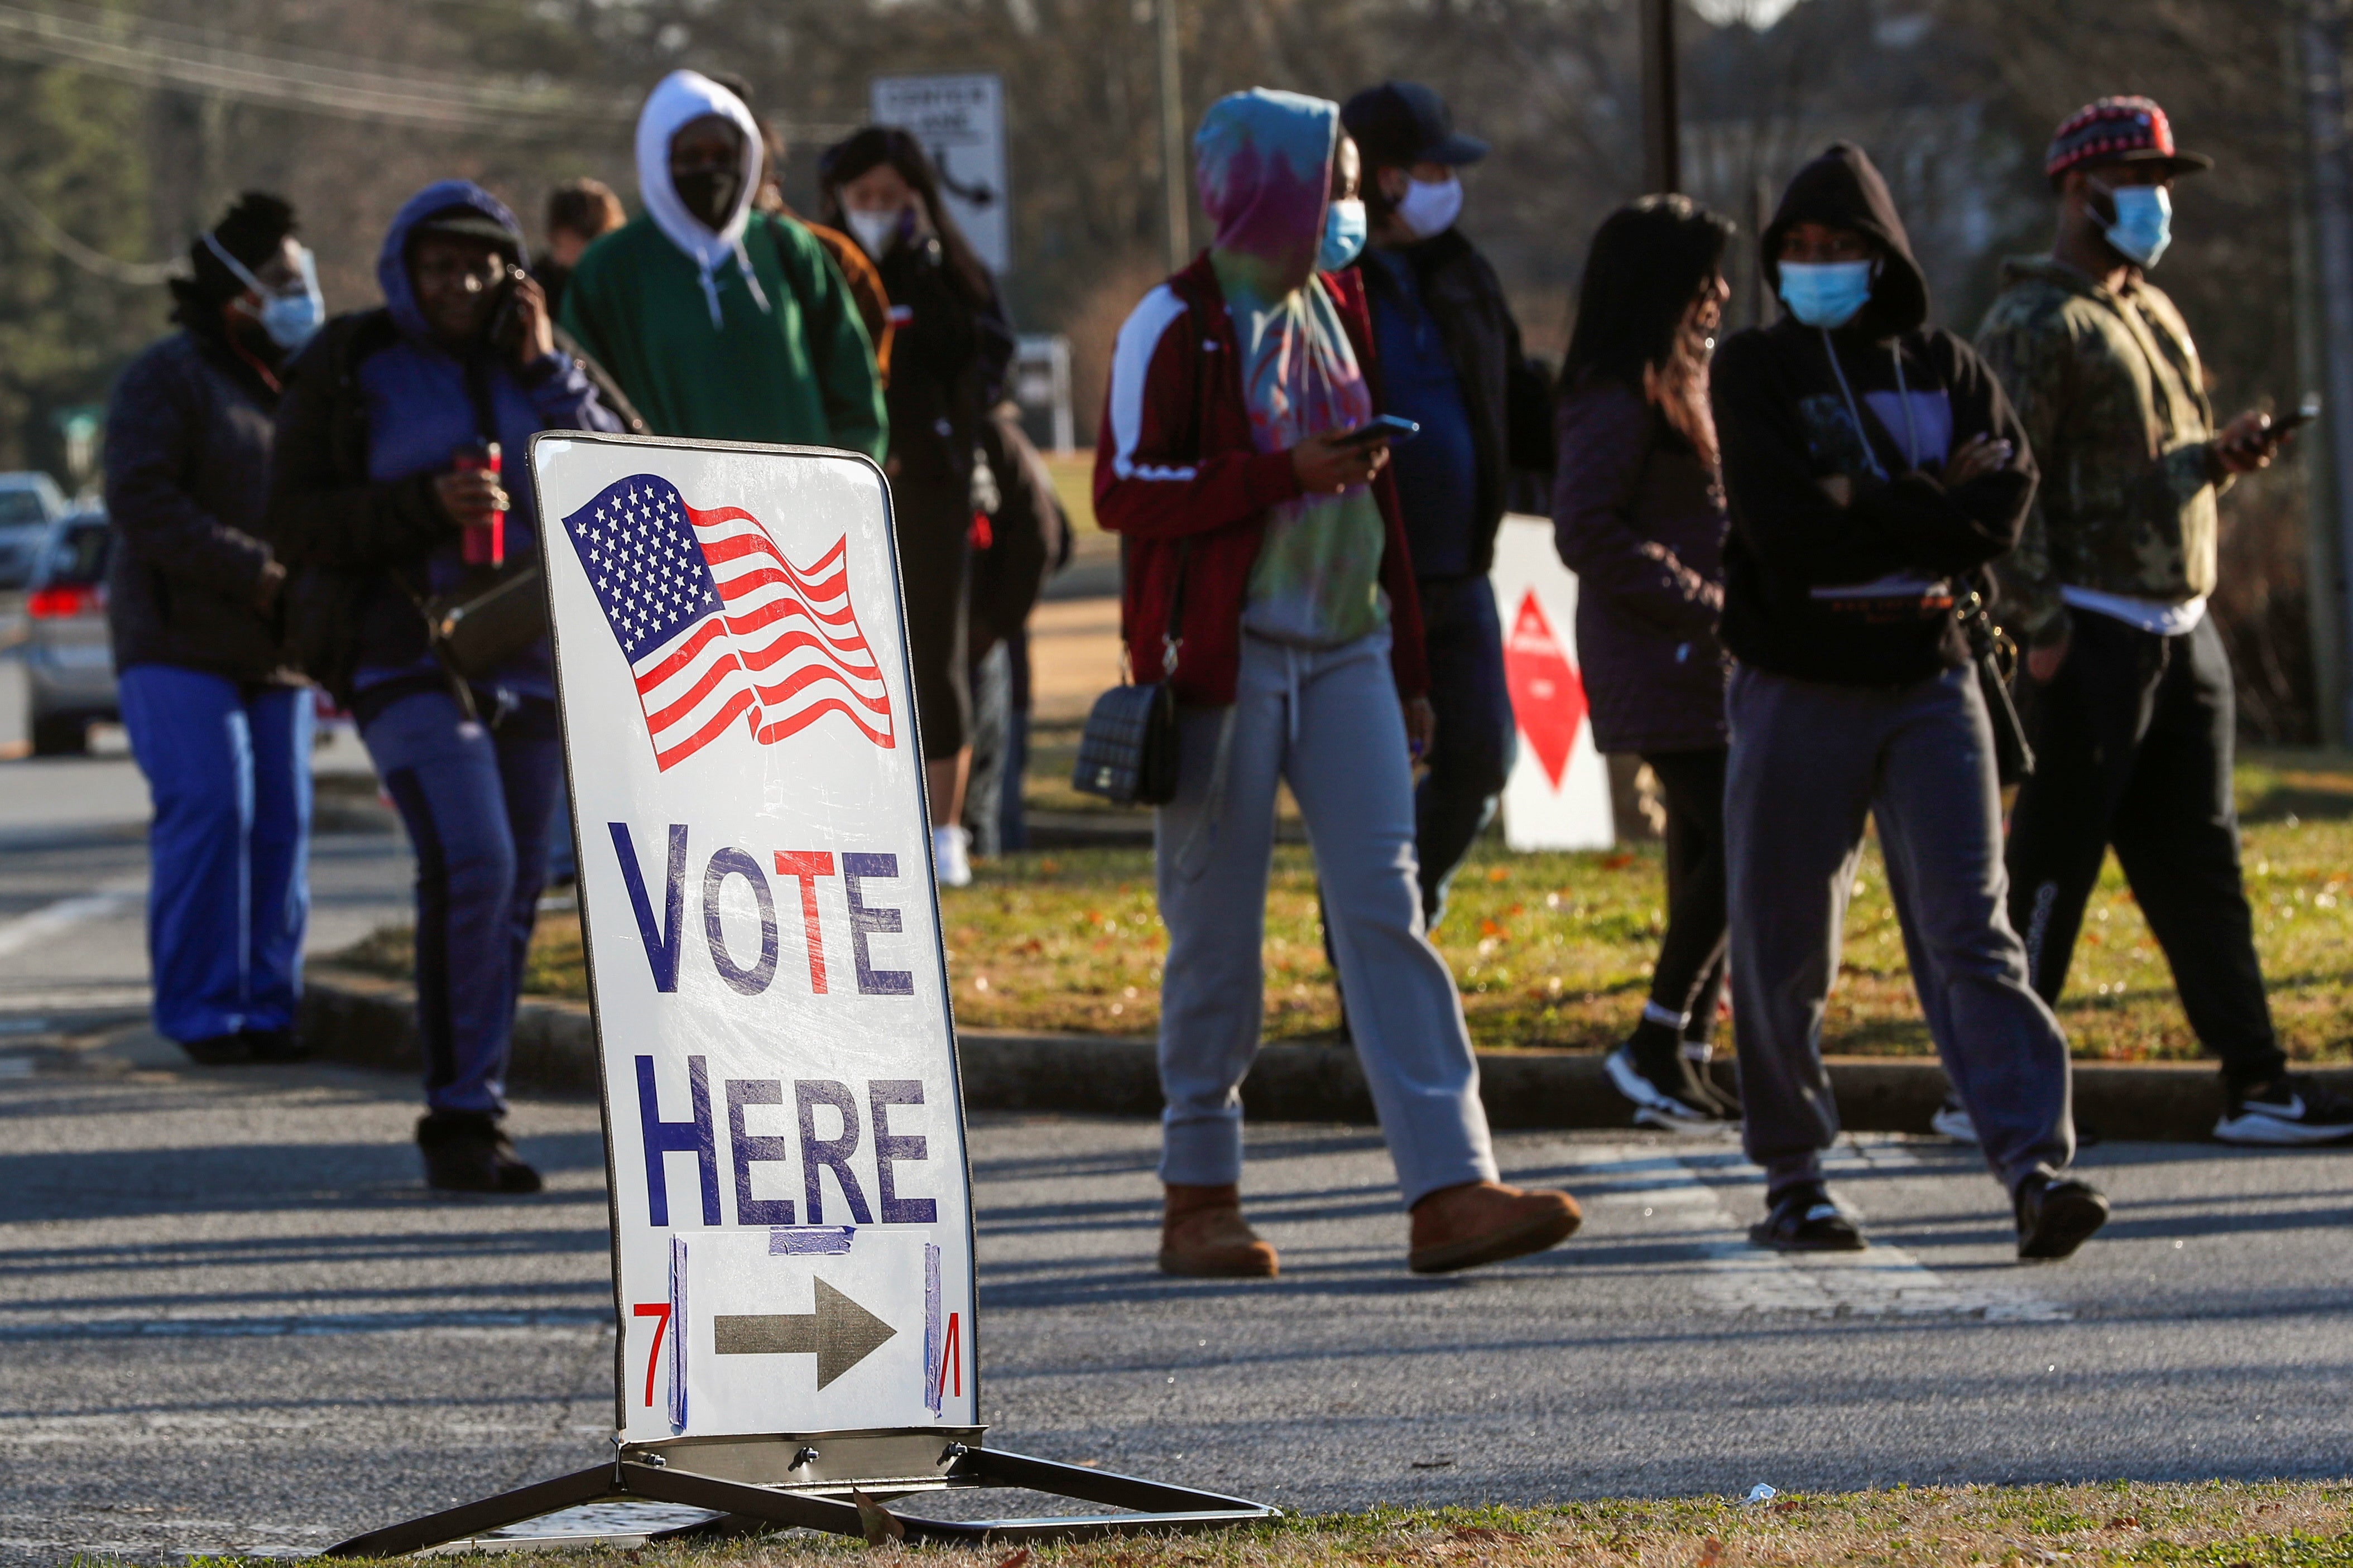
370, 1022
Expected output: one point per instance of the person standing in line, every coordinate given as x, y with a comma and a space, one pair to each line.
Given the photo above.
2128, 685
1266, 572
1873, 469
951, 347
379, 482
1638, 514
718, 321
219, 724
579, 213
1450, 361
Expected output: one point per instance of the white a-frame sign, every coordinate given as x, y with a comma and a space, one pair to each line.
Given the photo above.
791, 1203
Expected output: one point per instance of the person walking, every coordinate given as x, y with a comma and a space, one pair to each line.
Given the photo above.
380, 491
1638, 514
1266, 572
950, 349
717, 321
219, 724
2128, 686
1872, 468
1451, 361
579, 213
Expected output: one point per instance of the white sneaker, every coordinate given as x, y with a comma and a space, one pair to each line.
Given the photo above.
1953, 1121
952, 855
1654, 1107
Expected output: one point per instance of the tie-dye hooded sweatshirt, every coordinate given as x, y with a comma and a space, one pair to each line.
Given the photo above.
1264, 162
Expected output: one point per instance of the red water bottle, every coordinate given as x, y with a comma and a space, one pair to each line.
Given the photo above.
485, 542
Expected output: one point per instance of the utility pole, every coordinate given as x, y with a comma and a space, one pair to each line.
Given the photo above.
1175, 198
2332, 233
2322, 576
1661, 130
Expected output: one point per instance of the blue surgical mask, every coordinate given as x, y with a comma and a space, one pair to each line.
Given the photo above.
290, 319
1826, 293
2144, 225
1343, 235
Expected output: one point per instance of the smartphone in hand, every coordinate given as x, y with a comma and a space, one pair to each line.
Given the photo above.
1381, 427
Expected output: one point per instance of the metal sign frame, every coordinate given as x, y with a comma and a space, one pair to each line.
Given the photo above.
805, 1480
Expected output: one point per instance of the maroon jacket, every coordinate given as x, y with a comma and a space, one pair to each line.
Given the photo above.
1175, 465
1638, 517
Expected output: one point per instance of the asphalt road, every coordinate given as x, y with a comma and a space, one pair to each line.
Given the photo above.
233, 1321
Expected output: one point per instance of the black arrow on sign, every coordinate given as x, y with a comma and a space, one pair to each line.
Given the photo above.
840, 1333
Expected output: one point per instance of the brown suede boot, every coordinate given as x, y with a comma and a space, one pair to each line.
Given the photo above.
1203, 1235
1485, 1222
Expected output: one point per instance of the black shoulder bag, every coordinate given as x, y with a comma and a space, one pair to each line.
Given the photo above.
1127, 754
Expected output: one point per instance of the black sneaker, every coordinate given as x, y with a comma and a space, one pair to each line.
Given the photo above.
1952, 1121
1804, 1219
465, 1152
1662, 1090
2291, 1108
218, 1050
1724, 1101
275, 1046
2056, 1215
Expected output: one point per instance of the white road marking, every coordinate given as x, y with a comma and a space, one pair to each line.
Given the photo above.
102, 902
1662, 1183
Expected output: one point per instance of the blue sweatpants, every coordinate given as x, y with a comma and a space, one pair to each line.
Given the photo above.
476, 802
228, 769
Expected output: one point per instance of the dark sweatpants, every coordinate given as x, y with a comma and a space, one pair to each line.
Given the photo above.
2133, 747
1472, 753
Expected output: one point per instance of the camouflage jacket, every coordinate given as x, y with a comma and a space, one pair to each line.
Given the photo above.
2114, 401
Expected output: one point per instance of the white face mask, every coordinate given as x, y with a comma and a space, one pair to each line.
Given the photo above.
1431, 208
875, 230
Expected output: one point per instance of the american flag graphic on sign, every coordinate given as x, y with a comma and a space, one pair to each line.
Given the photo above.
719, 627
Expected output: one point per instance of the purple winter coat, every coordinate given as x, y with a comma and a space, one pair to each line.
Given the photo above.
1637, 517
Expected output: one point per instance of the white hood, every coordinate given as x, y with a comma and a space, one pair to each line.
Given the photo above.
680, 96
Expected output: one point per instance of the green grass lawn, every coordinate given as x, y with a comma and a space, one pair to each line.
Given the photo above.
1554, 950
2215, 1525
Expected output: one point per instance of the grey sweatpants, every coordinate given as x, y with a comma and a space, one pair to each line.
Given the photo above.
1809, 762
1327, 721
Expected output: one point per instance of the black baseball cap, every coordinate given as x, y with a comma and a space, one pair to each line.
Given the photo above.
467, 223
1402, 122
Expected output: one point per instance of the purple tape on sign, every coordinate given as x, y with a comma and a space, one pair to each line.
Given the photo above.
678, 1334
809, 1240
934, 1384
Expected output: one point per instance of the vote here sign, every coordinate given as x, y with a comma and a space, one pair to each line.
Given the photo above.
792, 1240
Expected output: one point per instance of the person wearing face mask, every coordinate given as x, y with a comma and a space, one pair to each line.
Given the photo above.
950, 348
2128, 686
383, 498
1872, 468
220, 724
721, 322
1452, 361
1265, 577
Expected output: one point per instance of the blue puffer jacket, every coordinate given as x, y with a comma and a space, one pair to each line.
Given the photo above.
375, 410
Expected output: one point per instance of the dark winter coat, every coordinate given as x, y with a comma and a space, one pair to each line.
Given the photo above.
1640, 520
1860, 594
1505, 395
187, 477
948, 358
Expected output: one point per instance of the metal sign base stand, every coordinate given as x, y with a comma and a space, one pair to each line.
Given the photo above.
662, 1473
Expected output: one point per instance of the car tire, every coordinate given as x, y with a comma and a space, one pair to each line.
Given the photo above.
60, 735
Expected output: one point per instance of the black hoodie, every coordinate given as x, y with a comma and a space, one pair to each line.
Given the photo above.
1860, 593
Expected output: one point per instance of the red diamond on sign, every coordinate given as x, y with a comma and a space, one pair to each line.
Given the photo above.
1547, 697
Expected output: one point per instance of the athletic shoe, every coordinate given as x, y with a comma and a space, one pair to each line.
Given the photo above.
1804, 1219
465, 1152
2290, 1108
218, 1050
952, 855
1952, 1120
1722, 1101
276, 1045
1663, 1096
2056, 1215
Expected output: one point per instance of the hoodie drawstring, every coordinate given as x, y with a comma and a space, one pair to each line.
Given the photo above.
1853, 409
710, 264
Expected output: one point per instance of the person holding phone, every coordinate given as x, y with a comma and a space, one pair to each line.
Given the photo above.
2128, 688
383, 485
1266, 578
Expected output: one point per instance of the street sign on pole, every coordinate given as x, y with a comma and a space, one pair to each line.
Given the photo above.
784, 1131
960, 121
